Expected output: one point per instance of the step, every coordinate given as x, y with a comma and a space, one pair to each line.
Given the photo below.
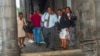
77, 52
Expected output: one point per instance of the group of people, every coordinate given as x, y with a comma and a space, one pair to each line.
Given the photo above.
50, 28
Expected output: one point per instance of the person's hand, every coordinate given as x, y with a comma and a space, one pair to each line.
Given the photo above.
69, 17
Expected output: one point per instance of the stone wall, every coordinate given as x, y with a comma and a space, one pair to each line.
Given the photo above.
8, 28
97, 6
86, 25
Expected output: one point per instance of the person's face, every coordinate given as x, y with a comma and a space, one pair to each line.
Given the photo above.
49, 10
21, 15
59, 13
67, 10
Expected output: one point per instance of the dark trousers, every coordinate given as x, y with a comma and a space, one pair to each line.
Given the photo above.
50, 37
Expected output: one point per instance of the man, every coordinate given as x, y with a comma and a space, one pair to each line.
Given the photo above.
49, 29
59, 14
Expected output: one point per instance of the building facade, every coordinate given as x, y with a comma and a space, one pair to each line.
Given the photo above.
87, 29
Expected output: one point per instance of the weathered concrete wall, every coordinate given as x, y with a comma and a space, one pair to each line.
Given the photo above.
97, 2
86, 24
8, 28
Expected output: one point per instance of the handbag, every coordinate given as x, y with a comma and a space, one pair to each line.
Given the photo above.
24, 26
31, 26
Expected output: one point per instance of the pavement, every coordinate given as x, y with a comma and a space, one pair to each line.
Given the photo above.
76, 52
33, 50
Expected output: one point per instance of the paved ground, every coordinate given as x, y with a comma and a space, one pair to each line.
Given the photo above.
34, 50
76, 52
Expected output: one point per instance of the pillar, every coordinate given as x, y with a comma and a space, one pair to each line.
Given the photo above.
8, 28
86, 25
36, 6
28, 8
97, 6
59, 4
22, 7
32, 5
69, 3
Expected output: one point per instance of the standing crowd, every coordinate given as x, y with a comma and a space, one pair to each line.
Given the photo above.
52, 29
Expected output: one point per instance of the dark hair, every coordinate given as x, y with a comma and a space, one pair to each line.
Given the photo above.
50, 8
69, 9
20, 13
59, 9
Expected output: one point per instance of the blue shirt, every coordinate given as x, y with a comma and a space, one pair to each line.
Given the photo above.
52, 20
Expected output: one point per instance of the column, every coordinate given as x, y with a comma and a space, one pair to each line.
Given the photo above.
32, 5
86, 25
64, 3
69, 3
27, 6
22, 7
49, 3
59, 4
97, 4
36, 6
8, 28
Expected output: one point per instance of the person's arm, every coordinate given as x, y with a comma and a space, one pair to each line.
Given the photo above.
25, 23
55, 17
73, 17
46, 17
42, 18
64, 18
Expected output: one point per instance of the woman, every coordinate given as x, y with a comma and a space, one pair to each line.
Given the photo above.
21, 33
29, 32
72, 19
64, 26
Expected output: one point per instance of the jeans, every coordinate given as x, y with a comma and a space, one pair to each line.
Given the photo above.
37, 35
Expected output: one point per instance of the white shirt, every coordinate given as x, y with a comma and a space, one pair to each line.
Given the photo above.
52, 20
59, 17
